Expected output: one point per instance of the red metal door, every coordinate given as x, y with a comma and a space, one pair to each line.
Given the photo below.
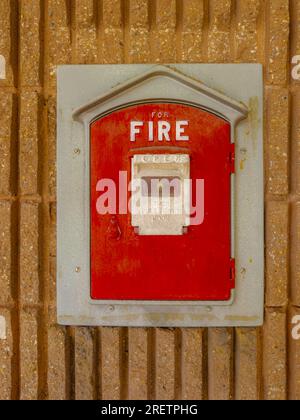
193, 266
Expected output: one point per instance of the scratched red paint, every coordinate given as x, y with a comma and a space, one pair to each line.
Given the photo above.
195, 266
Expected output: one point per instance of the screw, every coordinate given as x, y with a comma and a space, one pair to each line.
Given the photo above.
77, 269
77, 151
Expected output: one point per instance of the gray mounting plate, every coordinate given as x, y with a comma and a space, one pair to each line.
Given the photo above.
85, 91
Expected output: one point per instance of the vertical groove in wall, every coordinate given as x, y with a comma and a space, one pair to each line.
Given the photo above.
152, 25
15, 54
288, 353
261, 32
44, 217
260, 390
204, 364
123, 363
179, 29
97, 22
71, 10
70, 364
15, 318
234, 373
125, 26
232, 366
232, 33
151, 363
99, 364
206, 19
99, 5
178, 364
15, 211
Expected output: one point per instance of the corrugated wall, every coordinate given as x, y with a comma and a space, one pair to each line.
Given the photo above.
39, 359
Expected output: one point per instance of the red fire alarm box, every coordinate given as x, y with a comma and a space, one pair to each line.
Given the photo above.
157, 226
179, 247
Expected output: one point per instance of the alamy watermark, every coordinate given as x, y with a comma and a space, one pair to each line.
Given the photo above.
296, 327
296, 67
155, 195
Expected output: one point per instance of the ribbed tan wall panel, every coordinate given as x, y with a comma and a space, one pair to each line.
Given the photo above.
165, 373
85, 25
220, 364
219, 46
275, 355
138, 363
38, 358
111, 363
248, 13
247, 364
194, 366
163, 41
138, 36
191, 30
112, 32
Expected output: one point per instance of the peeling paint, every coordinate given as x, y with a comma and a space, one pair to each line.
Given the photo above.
243, 161
242, 164
243, 272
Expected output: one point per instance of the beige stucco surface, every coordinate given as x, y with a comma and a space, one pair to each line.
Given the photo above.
39, 359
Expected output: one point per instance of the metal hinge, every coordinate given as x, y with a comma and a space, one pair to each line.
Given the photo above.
232, 272
232, 158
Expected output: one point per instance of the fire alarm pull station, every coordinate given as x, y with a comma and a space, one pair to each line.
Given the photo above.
160, 215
